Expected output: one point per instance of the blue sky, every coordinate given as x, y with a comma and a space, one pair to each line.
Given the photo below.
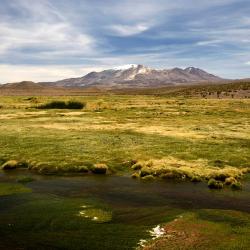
43, 40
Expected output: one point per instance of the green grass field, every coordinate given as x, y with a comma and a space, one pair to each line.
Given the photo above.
199, 134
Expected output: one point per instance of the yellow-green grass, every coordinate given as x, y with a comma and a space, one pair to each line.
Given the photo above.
205, 230
112, 130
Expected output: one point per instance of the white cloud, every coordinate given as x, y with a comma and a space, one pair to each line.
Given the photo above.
248, 63
129, 30
40, 73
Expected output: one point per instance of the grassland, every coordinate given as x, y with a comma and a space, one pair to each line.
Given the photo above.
200, 135
196, 230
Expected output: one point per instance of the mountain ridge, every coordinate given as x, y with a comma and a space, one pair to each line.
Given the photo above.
133, 75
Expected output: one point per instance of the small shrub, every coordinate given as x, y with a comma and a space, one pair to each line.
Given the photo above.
9, 165
75, 105
62, 105
213, 184
99, 168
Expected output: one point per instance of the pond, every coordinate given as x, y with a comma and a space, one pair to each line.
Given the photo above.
98, 212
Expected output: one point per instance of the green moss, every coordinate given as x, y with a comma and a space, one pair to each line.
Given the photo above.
8, 189
25, 179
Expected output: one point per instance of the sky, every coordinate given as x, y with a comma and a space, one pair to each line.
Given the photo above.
48, 40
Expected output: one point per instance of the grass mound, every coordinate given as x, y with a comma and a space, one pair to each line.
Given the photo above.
213, 184
194, 171
13, 164
63, 105
99, 168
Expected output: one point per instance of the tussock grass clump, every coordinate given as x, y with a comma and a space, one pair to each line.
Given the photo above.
236, 185
148, 178
13, 164
99, 168
194, 171
9, 165
73, 169
63, 105
213, 184
230, 180
137, 166
135, 175
196, 179
44, 168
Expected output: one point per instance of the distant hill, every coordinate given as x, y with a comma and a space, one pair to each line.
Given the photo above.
139, 76
24, 85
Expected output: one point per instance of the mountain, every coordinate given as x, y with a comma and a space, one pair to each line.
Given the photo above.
133, 75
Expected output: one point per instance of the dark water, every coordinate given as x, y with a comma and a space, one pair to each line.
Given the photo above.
46, 218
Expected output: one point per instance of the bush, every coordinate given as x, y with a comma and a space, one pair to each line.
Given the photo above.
99, 168
213, 184
62, 105
75, 105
